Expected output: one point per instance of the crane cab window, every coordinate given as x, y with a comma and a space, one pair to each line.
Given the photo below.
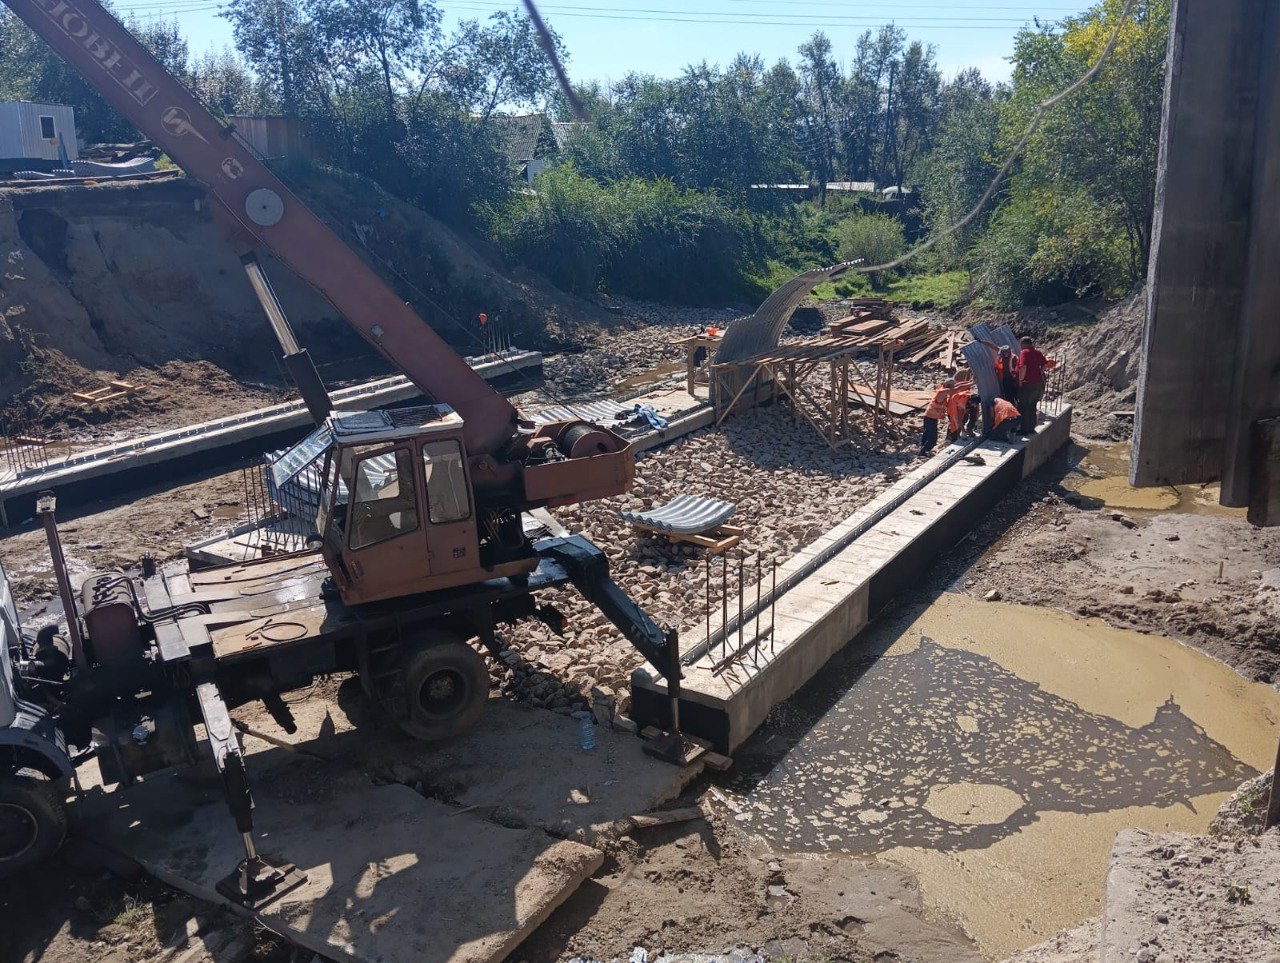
384, 499
447, 498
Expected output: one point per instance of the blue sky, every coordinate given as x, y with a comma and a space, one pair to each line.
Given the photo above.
608, 38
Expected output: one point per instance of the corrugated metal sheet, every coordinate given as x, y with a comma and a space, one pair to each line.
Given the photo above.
596, 412
684, 515
23, 126
982, 357
982, 363
9, 639
761, 331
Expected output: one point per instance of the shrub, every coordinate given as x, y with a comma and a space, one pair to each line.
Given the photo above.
642, 238
874, 238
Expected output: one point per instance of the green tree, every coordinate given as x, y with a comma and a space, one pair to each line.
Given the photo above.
1085, 188
500, 64
956, 173
224, 85
821, 91
280, 41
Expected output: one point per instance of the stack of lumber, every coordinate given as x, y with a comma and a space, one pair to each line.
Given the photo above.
917, 342
942, 352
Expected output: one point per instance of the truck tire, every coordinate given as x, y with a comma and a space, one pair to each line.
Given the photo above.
446, 685
32, 823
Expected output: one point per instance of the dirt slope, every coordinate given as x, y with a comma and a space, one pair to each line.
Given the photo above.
115, 280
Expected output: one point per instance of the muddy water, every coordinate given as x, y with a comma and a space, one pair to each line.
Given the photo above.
647, 379
996, 750
1103, 476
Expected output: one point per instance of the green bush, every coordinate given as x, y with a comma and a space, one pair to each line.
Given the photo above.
642, 238
873, 238
1045, 248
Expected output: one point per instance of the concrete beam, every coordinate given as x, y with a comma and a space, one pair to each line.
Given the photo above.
1211, 347
1256, 392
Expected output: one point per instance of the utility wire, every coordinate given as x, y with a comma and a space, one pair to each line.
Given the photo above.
1041, 111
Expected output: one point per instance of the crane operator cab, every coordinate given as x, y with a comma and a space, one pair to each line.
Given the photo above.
396, 513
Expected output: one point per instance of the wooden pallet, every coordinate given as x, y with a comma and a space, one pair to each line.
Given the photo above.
717, 540
114, 391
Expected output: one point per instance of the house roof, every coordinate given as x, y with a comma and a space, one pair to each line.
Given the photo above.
519, 133
565, 131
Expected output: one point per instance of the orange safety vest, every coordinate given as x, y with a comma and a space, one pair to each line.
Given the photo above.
956, 405
1002, 411
938, 406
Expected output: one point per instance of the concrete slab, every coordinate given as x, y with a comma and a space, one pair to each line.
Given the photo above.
521, 765
391, 875
835, 603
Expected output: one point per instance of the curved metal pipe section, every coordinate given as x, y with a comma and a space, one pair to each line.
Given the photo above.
744, 339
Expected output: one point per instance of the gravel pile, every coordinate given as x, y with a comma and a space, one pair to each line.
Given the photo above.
789, 487
639, 343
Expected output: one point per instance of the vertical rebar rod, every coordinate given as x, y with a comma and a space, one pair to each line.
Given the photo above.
773, 608
244, 480
759, 578
724, 605
708, 606
741, 566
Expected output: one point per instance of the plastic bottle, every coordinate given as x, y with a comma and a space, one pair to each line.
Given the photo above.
587, 732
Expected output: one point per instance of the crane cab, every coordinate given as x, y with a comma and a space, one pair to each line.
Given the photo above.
397, 513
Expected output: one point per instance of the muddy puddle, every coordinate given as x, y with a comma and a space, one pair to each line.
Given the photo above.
648, 379
995, 750
1102, 475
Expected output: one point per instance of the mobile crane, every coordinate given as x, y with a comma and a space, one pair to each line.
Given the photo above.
419, 544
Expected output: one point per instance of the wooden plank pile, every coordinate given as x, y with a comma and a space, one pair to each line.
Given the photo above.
917, 342
942, 352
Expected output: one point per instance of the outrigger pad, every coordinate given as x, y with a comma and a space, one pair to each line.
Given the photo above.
266, 880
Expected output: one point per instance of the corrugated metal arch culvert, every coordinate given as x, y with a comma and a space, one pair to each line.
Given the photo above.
749, 337
744, 339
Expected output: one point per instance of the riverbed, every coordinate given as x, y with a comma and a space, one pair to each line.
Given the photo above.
995, 750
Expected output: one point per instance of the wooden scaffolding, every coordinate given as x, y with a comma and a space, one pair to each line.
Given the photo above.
853, 380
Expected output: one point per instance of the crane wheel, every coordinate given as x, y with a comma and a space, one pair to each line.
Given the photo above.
32, 823
446, 685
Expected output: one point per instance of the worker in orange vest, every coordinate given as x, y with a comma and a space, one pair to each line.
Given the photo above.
933, 414
959, 410
1004, 415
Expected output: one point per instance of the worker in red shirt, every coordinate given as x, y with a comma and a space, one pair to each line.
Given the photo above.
1032, 366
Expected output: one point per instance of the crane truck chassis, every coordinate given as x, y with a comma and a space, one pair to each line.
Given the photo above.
143, 660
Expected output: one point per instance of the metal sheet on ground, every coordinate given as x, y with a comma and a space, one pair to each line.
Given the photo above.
391, 875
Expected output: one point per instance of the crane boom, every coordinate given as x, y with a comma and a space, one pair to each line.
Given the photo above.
263, 212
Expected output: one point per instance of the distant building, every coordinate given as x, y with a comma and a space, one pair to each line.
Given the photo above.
526, 139
851, 187
37, 137
274, 138
565, 132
